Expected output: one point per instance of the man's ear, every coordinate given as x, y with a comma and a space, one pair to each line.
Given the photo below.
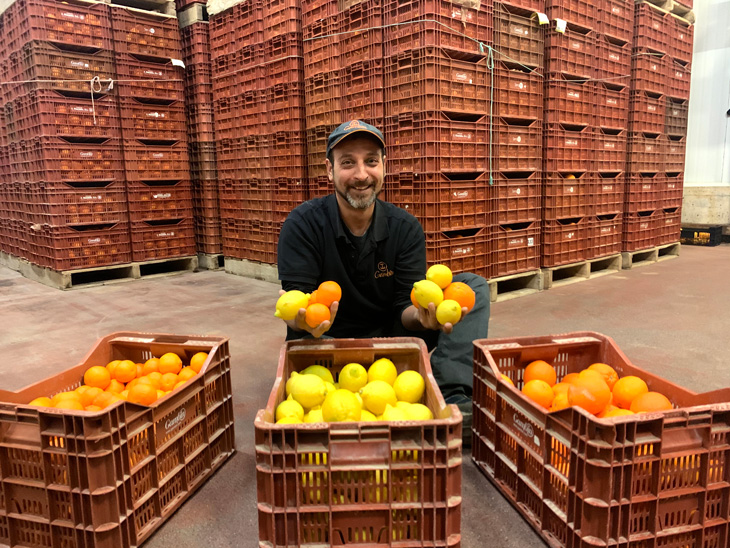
330, 169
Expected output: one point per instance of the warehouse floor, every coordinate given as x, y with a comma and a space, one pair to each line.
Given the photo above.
671, 318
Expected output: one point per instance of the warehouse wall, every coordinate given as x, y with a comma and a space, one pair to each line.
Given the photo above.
707, 176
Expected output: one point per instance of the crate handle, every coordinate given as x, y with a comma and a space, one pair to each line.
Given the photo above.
356, 451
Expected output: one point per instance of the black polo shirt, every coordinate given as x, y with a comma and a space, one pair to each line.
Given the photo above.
376, 276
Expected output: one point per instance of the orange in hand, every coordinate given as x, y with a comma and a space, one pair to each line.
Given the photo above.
327, 293
316, 314
461, 293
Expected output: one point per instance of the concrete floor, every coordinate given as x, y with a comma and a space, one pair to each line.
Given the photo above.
671, 318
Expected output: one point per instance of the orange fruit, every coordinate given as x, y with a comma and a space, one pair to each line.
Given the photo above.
186, 374
609, 373
140, 368
540, 392
97, 376
590, 392
81, 389
105, 399
92, 408
124, 394
89, 395
160, 393
197, 361
413, 298
69, 403
65, 396
144, 394
650, 402
506, 379
168, 381
178, 385
560, 402
591, 374
115, 386
328, 292
561, 388
617, 412
540, 370
316, 314
125, 371
111, 365
150, 366
43, 401
155, 378
170, 363
627, 389
461, 293
610, 408
569, 378
312, 297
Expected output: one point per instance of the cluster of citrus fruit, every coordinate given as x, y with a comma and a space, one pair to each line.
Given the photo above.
317, 303
376, 393
597, 389
447, 296
142, 383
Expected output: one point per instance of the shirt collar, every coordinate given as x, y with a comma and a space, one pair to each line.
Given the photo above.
379, 226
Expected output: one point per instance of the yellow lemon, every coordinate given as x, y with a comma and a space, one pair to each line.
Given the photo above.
329, 387
353, 377
290, 381
321, 371
440, 274
394, 414
341, 406
308, 390
359, 399
376, 395
314, 415
409, 386
382, 370
448, 312
426, 292
402, 404
289, 420
288, 305
289, 408
367, 416
418, 412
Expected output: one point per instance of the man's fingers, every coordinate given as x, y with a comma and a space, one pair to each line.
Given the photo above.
333, 311
281, 292
320, 330
447, 328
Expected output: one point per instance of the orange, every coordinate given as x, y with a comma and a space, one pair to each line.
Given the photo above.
92, 408
610, 408
140, 368
160, 394
155, 378
124, 394
81, 389
186, 374
506, 379
591, 374
560, 402
608, 372
540, 392
150, 366
312, 297
561, 388
590, 392
650, 402
413, 298
569, 378
169, 380
540, 370
65, 396
97, 376
178, 385
461, 293
316, 314
88, 397
617, 412
197, 361
115, 386
328, 292
125, 371
170, 363
111, 365
105, 399
144, 394
627, 389
43, 401
69, 404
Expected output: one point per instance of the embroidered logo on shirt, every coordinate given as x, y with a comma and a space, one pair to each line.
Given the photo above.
383, 271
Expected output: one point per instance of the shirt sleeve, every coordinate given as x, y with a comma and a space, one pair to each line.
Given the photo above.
410, 266
298, 255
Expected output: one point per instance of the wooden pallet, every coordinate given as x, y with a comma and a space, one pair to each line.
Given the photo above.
515, 285
556, 276
643, 257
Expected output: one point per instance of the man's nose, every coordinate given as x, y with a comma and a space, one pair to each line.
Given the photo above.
361, 171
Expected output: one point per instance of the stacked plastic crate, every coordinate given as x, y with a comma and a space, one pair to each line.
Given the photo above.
154, 132
194, 34
63, 190
516, 198
568, 179
437, 125
258, 94
660, 80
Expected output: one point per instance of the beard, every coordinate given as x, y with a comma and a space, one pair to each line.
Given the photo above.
359, 203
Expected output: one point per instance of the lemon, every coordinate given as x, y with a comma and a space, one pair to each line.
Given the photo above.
409, 386
402, 404
314, 415
288, 305
367, 416
418, 412
290, 381
394, 414
376, 395
382, 370
321, 371
426, 292
353, 377
309, 390
440, 274
448, 311
289, 408
328, 387
289, 420
359, 399
341, 406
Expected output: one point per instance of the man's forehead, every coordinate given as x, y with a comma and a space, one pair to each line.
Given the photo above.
357, 144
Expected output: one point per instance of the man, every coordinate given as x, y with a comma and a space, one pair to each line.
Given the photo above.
375, 251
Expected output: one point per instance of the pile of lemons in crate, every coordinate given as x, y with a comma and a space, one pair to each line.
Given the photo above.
141, 383
373, 394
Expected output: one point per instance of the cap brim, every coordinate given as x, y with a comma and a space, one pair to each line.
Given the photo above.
364, 130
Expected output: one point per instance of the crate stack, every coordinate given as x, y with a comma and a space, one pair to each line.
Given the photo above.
154, 133
195, 37
516, 199
258, 94
63, 189
657, 127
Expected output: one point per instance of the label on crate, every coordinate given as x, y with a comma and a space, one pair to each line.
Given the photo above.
612, 102
462, 136
158, 155
169, 234
654, 67
461, 77
162, 196
519, 30
609, 144
608, 229
675, 113
649, 148
569, 236
616, 10
515, 242
651, 108
462, 251
607, 188
569, 189
614, 57
156, 115
79, 64
672, 186
576, 45
526, 429
530, 241
515, 139
71, 15
93, 241
461, 194
91, 197
515, 191
149, 30
519, 86
668, 221
673, 150
573, 94
646, 186
85, 110
150, 72
656, 25
463, 15
679, 74
83, 154
644, 226
572, 142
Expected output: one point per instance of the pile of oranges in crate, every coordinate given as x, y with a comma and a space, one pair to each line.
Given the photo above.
141, 383
597, 389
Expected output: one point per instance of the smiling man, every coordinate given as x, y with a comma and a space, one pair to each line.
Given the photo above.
375, 251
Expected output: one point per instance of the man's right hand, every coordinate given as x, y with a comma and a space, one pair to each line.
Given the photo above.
299, 323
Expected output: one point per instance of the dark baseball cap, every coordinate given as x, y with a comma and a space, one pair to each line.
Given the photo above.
351, 128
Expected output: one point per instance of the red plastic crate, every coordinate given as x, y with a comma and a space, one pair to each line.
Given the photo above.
675, 148
322, 93
648, 112
571, 53
616, 19
526, 5
647, 153
354, 42
208, 239
515, 248
517, 145
362, 85
610, 150
517, 196
611, 106
431, 33
242, 23
247, 199
203, 161
148, 162
280, 47
652, 28
289, 70
152, 240
518, 39
605, 235
139, 32
253, 240
678, 80
316, 10
460, 250
287, 153
195, 38
147, 80
287, 193
281, 17
200, 123
320, 47
47, 112
235, 58
565, 196
142, 120
316, 148
681, 39
429, 79
649, 72
670, 226
206, 204
518, 93
613, 61
608, 195
645, 192
677, 112
674, 190
642, 230
154, 201
579, 13
567, 148
568, 101
565, 241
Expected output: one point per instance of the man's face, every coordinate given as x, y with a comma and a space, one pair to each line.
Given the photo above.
358, 171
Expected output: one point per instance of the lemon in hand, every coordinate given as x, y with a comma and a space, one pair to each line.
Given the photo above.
341, 406
409, 386
448, 312
353, 377
382, 370
308, 390
289, 409
376, 395
319, 370
440, 274
288, 305
426, 292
